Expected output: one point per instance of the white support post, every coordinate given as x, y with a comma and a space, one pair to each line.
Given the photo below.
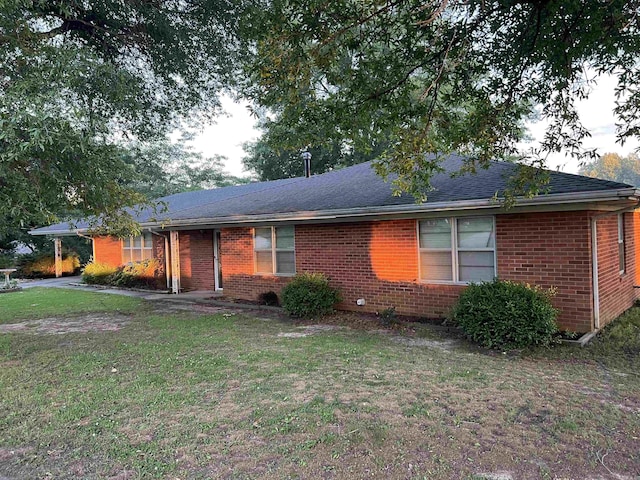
175, 261
57, 248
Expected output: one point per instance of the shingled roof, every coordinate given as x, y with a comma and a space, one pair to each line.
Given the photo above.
356, 188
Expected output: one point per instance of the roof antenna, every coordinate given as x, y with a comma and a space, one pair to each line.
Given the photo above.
306, 157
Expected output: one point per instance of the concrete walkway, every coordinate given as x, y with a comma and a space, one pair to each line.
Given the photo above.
204, 297
62, 282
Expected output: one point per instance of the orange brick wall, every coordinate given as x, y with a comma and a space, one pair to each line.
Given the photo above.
378, 261
616, 291
108, 250
196, 260
550, 250
238, 279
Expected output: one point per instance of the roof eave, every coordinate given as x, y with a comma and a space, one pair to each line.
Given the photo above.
321, 215
363, 212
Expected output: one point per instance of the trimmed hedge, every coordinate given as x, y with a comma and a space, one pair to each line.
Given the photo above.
144, 274
308, 295
506, 315
96, 273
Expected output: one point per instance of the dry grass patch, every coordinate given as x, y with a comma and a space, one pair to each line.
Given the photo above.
205, 395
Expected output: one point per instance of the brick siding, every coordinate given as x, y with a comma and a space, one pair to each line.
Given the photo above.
550, 250
378, 261
196, 260
238, 279
616, 290
108, 250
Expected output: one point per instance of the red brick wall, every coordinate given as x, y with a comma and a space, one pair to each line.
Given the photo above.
108, 250
372, 260
378, 261
550, 250
616, 290
196, 260
238, 279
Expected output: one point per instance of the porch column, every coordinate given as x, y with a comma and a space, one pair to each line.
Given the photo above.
57, 249
175, 261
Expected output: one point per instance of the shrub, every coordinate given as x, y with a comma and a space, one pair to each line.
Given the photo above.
40, 266
144, 274
388, 317
309, 294
506, 315
7, 261
269, 298
96, 273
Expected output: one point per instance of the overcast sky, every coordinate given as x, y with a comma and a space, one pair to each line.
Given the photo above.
229, 133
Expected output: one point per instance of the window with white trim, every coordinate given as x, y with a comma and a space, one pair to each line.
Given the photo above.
136, 249
621, 260
275, 250
457, 250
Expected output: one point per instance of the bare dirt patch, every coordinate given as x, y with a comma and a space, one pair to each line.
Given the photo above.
307, 330
445, 344
97, 322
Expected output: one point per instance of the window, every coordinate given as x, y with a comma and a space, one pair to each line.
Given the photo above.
275, 250
457, 249
621, 242
136, 249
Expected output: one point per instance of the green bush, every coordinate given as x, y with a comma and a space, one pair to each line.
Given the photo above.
144, 274
506, 315
7, 261
308, 295
42, 266
96, 273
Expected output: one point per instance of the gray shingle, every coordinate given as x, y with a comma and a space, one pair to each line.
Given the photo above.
352, 187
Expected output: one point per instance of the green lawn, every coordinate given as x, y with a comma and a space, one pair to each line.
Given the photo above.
200, 395
43, 302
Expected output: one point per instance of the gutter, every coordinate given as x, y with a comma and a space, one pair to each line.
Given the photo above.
361, 212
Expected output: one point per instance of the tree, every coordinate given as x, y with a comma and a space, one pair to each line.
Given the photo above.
163, 168
81, 78
444, 76
270, 160
612, 166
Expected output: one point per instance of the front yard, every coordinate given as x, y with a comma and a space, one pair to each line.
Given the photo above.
168, 393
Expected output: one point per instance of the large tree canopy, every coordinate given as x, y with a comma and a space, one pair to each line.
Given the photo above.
442, 76
80, 77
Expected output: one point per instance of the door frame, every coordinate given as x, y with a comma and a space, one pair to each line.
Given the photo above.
216, 261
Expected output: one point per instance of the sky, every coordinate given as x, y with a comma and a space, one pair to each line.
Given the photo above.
227, 135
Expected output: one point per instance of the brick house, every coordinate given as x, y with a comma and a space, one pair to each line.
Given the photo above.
580, 238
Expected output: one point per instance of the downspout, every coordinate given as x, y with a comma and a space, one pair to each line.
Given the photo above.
594, 260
